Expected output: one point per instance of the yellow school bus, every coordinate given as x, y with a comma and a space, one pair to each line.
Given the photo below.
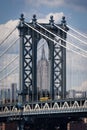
44, 98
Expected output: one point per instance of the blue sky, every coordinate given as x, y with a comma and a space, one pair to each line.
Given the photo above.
74, 10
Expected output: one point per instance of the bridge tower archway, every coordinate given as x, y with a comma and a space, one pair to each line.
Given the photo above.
29, 39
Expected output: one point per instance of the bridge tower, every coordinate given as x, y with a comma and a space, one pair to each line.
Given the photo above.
29, 39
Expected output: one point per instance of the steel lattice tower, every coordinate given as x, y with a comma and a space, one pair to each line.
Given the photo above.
29, 39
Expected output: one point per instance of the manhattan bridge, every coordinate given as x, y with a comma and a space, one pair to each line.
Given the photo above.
47, 105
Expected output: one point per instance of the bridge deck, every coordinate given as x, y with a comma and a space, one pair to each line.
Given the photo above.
69, 107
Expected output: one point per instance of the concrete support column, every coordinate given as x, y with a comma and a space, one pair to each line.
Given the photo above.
20, 125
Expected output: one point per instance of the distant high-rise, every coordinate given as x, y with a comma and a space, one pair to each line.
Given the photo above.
43, 72
5, 95
13, 92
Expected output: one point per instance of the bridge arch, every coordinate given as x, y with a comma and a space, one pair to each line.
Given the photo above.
30, 34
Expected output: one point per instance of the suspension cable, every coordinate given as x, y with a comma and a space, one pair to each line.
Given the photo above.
15, 59
62, 39
77, 31
71, 34
55, 41
7, 36
9, 64
10, 72
9, 47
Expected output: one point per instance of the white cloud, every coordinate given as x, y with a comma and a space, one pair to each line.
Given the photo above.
76, 61
77, 5
77, 58
11, 24
76, 71
74, 4
82, 87
5, 59
6, 28
5, 31
57, 17
50, 3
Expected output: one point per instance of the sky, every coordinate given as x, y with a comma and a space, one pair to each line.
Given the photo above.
75, 12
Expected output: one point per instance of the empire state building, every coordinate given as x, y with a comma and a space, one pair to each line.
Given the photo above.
43, 73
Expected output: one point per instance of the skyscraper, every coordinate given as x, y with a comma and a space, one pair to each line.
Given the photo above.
13, 92
43, 73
